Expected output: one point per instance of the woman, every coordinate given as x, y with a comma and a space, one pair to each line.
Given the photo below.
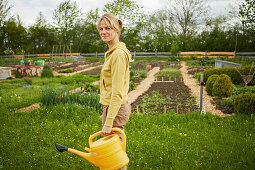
114, 80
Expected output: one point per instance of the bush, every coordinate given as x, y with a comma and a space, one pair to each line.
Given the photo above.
227, 103
173, 58
132, 86
250, 89
210, 82
245, 103
47, 72
222, 87
232, 73
69, 70
205, 61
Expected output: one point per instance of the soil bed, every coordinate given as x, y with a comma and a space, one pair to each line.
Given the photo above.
179, 95
195, 70
225, 110
95, 71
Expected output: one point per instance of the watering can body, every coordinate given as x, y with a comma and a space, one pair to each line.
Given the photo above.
107, 153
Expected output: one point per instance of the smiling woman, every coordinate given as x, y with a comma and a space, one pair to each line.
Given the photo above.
114, 79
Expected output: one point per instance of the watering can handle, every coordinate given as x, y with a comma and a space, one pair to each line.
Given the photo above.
123, 143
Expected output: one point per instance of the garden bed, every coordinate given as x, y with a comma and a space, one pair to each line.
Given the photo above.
166, 96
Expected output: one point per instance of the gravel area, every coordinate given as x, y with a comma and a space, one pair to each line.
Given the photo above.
195, 91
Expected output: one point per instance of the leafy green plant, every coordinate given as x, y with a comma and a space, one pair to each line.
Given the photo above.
47, 72
69, 70
245, 103
210, 82
222, 86
89, 87
250, 89
227, 103
132, 86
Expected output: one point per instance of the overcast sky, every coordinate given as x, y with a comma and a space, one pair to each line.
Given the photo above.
28, 10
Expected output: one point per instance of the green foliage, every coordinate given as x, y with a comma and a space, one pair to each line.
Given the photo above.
173, 58
175, 49
245, 103
51, 96
197, 75
205, 61
89, 87
78, 78
69, 70
250, 89
28, 81
132, 86
47, 72
227, 103
232, 73
210, 82
222, 87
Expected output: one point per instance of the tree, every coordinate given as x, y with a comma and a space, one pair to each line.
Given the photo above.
65, 17
15, 36
126, 10
41, 37
247, 13
4, 10
187, 14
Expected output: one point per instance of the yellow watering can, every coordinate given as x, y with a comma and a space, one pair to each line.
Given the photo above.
107, 153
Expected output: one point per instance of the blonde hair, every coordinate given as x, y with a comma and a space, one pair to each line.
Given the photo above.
112, 22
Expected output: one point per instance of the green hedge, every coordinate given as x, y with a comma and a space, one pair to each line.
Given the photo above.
222, 86
232, 73
245, 103
210, 82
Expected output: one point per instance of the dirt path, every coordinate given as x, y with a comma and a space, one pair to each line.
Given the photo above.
143, 86
195, 91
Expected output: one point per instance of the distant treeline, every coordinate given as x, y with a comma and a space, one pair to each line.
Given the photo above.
176, 29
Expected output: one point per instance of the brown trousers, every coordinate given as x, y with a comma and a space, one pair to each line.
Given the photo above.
121, 118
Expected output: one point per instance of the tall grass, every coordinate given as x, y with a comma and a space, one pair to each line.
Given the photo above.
52, 96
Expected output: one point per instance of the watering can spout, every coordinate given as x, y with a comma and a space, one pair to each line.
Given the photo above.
85, 155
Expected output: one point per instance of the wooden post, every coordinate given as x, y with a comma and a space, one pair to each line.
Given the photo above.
143, 110
174, 79
201, 91
164, 109
162, 78
137, 110
169, 78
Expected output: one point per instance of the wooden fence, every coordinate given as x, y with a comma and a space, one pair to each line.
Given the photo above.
198, 54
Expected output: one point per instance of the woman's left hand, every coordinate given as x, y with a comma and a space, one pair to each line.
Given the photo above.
106, 130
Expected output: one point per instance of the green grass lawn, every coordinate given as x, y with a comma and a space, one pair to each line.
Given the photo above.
153, 142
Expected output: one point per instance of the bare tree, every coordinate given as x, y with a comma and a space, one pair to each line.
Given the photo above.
186, 14
4, 10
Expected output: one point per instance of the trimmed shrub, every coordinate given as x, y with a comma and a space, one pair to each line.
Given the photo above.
232, 73
47, 72
210, 82
222, 87
245, 103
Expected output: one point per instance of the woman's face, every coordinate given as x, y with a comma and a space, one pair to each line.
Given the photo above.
107, 34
